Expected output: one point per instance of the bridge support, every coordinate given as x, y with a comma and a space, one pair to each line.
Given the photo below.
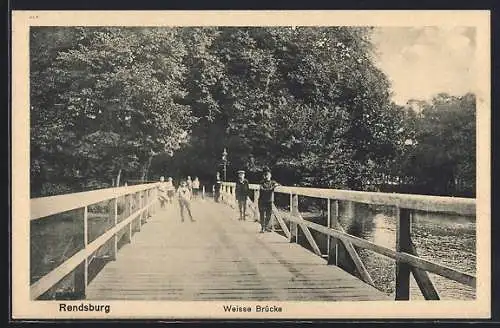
294, 211
144, 214
80, 280
113, 218
137, 208
333, 222
403, 244
80, 275
128, 228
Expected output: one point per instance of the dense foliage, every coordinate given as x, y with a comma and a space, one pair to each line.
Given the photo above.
442, 159
309, 102
103, 101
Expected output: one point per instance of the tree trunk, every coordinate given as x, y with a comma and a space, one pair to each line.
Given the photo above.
145, 168
118, 178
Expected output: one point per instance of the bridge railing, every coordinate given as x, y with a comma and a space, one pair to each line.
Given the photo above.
69, 232
405, 254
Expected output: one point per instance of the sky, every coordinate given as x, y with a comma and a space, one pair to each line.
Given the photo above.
423, 61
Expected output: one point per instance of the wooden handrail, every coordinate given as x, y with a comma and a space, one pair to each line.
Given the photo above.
46, 206
456, 205
43, 207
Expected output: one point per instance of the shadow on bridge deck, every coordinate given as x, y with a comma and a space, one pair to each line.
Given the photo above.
220, 258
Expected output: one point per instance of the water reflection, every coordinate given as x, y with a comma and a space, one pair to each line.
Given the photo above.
442, 238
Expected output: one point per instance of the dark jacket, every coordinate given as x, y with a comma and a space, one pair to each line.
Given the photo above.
242, 189
266, 191
218, 184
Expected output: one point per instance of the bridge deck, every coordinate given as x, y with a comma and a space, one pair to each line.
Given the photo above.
220, 258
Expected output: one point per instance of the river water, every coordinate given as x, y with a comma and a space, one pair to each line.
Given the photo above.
444, 239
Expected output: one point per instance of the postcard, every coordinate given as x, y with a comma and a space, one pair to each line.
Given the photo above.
251, 164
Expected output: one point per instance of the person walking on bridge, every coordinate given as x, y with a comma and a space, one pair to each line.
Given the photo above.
170, 190
266, 198
184, 195
162, 188
241, 191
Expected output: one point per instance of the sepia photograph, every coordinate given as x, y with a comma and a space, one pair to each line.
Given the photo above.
253, 165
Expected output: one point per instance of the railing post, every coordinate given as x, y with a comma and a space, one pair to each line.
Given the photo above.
128, 207
152, 199
134, 211
295, 210
333, 222
146, 202
272, 218
293, 226
139, 209
137, 203
328, 224
85, 226
151, 209
403, 244
113, 216
155, 197
81, 271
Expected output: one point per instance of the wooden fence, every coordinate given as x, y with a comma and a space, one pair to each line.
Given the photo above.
405, 255
138, 204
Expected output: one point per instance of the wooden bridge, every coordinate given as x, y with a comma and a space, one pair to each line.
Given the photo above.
123, 245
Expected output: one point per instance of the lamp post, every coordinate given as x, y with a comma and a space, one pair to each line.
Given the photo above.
224, 160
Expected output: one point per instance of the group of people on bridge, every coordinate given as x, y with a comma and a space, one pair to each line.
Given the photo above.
265, 199
188, 190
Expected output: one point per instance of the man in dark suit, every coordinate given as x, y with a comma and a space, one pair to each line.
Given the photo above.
266, 198
241, 192
217, 187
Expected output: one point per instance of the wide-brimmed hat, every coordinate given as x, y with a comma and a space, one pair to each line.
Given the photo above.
240, 172
266, 170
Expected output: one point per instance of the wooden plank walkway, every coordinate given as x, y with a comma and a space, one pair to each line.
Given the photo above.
220, 258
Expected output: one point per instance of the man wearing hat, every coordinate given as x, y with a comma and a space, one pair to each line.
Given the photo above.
266, 198
241, 192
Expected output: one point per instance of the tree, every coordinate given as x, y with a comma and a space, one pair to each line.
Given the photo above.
444, 157
104, 100
306, 100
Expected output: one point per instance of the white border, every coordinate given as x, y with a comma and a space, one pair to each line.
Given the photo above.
23, 307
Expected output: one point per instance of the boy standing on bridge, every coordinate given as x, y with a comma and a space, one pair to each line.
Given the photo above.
184, 194
241, 192
266, 199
